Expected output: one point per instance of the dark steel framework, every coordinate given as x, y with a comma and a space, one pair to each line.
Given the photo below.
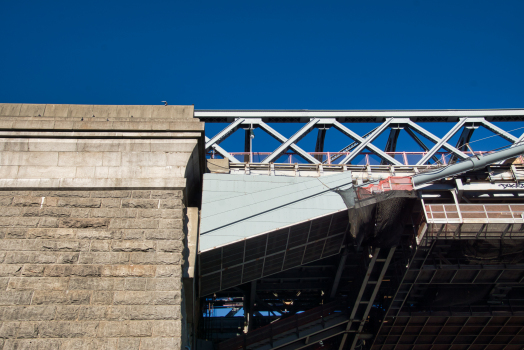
386, 298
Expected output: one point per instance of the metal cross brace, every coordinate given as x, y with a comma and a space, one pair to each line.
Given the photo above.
365, 142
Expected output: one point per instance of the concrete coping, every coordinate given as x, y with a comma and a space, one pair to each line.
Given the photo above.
98, 111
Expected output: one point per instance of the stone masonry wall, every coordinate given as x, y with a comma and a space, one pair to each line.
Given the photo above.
91, 269
93, 229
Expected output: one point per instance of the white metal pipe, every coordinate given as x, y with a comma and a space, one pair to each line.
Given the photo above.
471, 163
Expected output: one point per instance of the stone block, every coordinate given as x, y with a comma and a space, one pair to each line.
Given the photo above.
79, 202
147, 298
67, 312
9, 329
134, 284
12, 232
15, 297
134, 223
7, 270
169, 271
52, 145
52, 110
98, 234
111, 159
171, 328
28, 313
85, 172
37, 283
171, 204
14, 145
163, 284
170, 246
63, 245
111, 202
28, 330
67, 329
9, 172
144, 312
29, 158
141, 194
105, 111
45, 172
170, 224
110, 194
73, 297
32, 110
84, 223
174, 234
91, 283
114, 213
100, 246
167, 194
93, 313
33, 344
80, 158
72, 270
160, 343
140, 203
67, 258
47, 233
155, 258
129, 343
125, 329
160, 214
10, 109
133, 246
102, 298
30, 258
103, 258
128, 271
27, 201
30, 270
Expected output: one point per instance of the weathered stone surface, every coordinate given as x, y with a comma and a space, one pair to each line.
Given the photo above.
92, 225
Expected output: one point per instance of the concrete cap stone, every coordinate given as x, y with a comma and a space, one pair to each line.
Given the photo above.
111, 112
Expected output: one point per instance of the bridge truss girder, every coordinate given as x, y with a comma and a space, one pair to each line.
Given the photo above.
467, 121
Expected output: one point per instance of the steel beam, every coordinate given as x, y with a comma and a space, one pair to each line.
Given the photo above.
435, 139
440, 143
499, 131
350, 147
462, 143
223, 152
391, 144
319, 147
218, 116
419, 141
365, 143
340, 269
221, 136
293, 139
247, 145
275, 134
371, 299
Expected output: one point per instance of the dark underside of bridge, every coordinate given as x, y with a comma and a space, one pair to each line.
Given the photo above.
427, 289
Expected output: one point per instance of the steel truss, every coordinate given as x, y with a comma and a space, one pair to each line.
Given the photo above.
466, 120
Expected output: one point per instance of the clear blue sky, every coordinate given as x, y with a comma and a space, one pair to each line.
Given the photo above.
265, 54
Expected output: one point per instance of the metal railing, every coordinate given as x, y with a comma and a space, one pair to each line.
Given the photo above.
363, 158
474, 213
292, 323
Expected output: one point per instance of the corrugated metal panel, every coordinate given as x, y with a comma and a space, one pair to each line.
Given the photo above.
235, 207
272, 252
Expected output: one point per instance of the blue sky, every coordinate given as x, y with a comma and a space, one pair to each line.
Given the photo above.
265, 55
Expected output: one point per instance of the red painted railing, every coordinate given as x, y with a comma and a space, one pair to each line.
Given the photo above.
363, 158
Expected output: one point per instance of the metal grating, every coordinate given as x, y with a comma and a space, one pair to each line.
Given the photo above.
272, 252
474, 331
